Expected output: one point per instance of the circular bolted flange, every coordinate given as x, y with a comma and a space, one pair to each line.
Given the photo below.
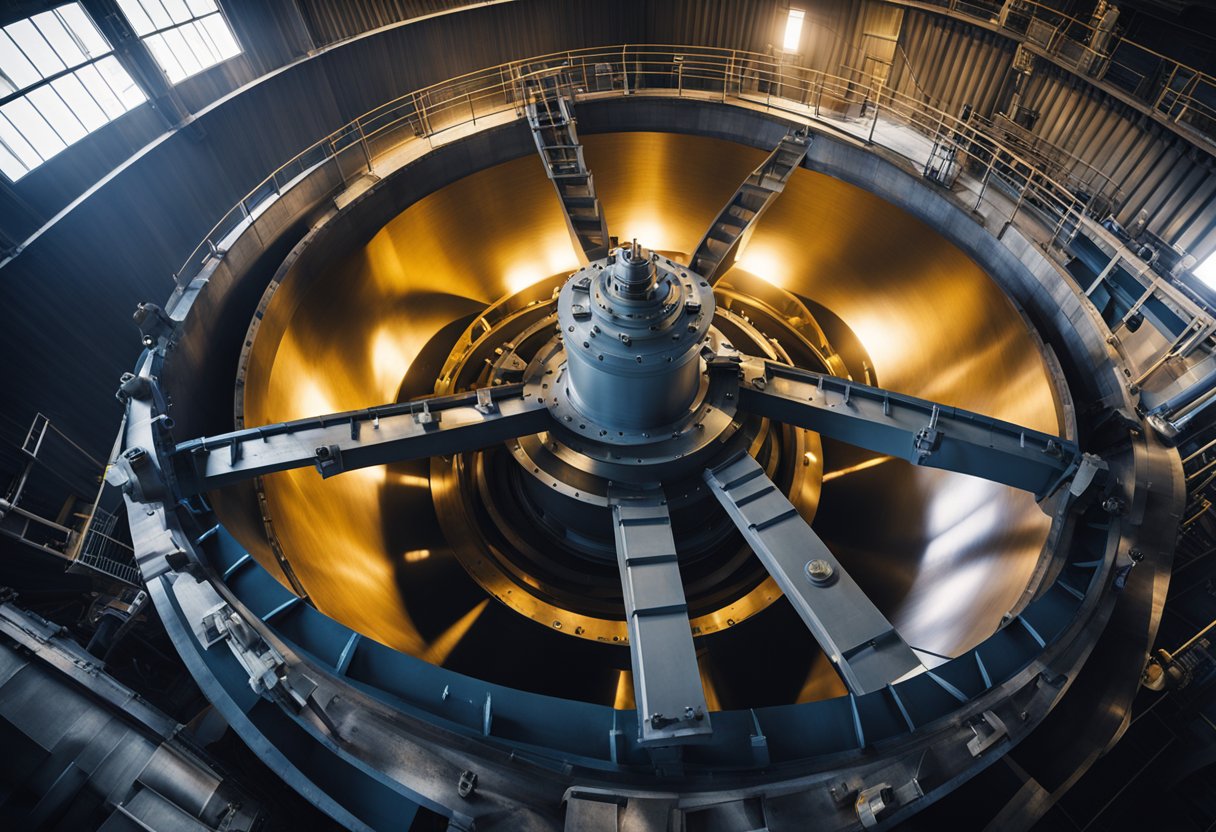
633, 327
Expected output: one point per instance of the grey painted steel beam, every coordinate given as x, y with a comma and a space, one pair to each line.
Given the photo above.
360, 438
551, 117
862, 645
666, 680
922, 432
730, 230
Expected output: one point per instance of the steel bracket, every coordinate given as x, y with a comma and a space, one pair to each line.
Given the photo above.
982, 741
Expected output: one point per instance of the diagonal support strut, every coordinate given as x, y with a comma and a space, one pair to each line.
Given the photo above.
730, 230
551, 118
666, 682
863, 646
361, 438
919, 431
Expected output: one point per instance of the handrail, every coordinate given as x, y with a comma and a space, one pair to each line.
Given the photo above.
1064, 34
748, 78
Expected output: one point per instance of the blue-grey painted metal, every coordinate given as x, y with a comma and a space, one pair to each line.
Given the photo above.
356, 439
858, 639
919, 431
666, 682
633, 327
734, 224
579, 742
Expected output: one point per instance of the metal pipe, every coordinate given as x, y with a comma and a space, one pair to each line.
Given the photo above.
1171, 654
1172, 405
1199, 452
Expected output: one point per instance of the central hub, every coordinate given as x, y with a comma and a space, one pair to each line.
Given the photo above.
633, 328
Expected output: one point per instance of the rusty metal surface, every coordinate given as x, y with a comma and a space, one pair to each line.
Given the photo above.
944, 556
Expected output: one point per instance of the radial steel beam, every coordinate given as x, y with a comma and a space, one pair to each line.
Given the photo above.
359, 438
862, 645
922, 432
734, 224
551, 117
666, 682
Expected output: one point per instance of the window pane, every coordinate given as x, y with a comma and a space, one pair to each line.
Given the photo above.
80, 102
134, 12
35, 47
52, 29
177, 10
15, 65
1206, 271
202, 43
94, 83
181, 50
81, 25
17, 144
156, 13
34, 127
201, 7
164, 57
221, 35
10, 166
128, 93
57, 113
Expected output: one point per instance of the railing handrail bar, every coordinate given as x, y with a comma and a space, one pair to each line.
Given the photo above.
721, 64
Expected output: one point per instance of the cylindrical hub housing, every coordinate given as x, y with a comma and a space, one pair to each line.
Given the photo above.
633, 326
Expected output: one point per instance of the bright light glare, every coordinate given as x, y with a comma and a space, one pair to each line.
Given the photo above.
793, 30
1206, 271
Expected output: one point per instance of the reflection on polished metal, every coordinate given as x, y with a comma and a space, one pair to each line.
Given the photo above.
902, 309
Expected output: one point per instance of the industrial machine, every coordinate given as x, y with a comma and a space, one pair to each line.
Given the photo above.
599, 485
692, 461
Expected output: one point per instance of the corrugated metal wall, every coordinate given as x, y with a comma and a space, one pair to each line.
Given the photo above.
947, 63
329, 22
181, 184
1157, 170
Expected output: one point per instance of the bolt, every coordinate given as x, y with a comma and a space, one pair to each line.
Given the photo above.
819, 571
467, 784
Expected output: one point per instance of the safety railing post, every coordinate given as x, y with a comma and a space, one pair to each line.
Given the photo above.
367, 151
984, 182
877, 108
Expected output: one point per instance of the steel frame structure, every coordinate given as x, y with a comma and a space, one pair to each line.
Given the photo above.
371, 734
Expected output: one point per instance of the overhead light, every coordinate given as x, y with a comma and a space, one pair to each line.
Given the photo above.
793, 30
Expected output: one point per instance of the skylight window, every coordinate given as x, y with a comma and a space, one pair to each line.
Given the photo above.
1206, 271
793, 30
185, 36
58, 83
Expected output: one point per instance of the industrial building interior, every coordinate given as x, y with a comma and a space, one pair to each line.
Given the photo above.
608, 415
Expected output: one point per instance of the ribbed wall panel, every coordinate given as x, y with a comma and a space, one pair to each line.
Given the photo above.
947, 63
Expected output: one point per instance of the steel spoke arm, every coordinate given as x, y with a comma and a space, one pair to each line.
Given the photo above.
922, 432
360, 438
666, 682
862, 645
551, 117
734, 224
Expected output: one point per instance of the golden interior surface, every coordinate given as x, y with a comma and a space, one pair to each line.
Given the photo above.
943, 555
